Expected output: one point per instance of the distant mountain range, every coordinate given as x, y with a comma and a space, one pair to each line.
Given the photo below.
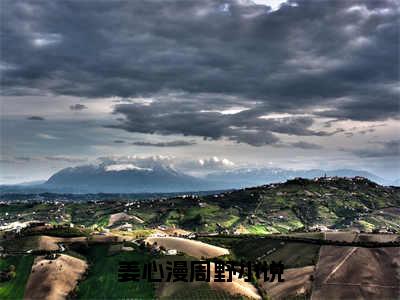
124, 178
252, 177
162, 178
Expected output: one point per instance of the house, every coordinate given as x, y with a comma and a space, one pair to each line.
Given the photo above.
321, 228
158, 234
171, 252
126, 227
191, 236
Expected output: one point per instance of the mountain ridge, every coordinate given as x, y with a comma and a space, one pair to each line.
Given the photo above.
153, 177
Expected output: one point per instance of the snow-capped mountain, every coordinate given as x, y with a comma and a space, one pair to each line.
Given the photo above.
124, 178
159, 175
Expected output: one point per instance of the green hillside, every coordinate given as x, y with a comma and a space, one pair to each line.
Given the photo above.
293, 206
298, 204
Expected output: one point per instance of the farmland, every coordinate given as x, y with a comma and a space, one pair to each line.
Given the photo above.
348, 272
295, 206
327, 233
192, 248
297, 282
102, 279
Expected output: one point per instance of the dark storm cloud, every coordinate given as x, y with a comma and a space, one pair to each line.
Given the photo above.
78, 107
340, 55
36, 118
306, 145
382, 149
378, 106
191, 118
165, 144
26, 159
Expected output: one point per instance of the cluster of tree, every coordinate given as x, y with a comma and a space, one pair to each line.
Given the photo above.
58, 231
8, 274
366, 244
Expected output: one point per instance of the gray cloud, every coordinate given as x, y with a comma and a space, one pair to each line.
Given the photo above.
342, 55
348, 134
13, 160
36, 118
383, 149
306, 145
177, 115
23, 158
196, 61
369, 108
78, 107
177, 143
68, 159
6, 161
26, 159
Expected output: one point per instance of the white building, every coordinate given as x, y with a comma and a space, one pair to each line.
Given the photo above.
171, 252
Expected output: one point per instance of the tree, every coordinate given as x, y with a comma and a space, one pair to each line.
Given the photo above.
11, 268
198, 219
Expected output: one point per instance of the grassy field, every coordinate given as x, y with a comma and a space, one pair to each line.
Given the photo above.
103, 221
102, 280
201, 218
260, 229
14, 289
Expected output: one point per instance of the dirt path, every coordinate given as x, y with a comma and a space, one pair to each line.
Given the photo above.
351, 252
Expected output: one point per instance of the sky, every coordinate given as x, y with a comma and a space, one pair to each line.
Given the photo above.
209, 84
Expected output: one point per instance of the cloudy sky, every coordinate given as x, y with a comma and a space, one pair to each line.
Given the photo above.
297, 84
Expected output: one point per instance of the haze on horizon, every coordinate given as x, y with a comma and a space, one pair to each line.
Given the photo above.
297, 84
